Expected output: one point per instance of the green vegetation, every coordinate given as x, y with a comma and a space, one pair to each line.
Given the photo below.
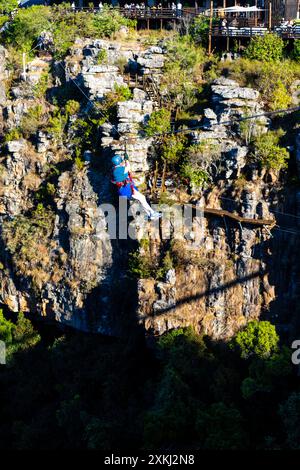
3, 20
165, 265
42, 86
31, 121
220, 427
280, 97
27, 26
181, 81
199, 30
109, 22
195, 176
199, 161
72, 107
28, 240
18, 337
86, 126
122, 93
289, 412
65, 26
7, 6
259, 338
185, 392
56, 124
159, 123
142, 266
265, 374
102, 56
14, 134
296, 51
274, 80
268, 48
172, 148
268, 151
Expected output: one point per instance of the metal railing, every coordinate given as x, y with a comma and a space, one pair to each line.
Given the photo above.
285, 33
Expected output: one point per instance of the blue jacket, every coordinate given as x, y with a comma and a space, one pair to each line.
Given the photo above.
126, 191
120, 173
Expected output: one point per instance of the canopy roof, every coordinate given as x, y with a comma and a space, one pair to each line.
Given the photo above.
29, 3
238, 9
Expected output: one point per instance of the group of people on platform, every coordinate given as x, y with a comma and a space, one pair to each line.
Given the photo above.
141, 7
235, 22
175, 7
74, 6
287, 23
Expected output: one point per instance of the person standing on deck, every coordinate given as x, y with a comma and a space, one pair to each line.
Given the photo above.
179, 9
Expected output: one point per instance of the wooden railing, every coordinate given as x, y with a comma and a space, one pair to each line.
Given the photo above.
149, 13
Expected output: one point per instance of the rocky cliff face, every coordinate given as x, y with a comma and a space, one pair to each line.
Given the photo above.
230, 280
70, 270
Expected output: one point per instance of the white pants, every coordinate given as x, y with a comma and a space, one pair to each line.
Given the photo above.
142, 200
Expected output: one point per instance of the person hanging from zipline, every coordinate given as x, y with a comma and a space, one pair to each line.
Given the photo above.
122, 179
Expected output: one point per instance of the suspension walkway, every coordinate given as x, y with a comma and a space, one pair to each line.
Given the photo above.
237, 218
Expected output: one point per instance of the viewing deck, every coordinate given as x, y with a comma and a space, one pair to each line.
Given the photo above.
152, 13
240, 27
250, 31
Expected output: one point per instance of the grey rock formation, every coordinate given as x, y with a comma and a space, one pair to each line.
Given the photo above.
132, 114
216, 287
89, 254
3, 75
100, 79
224, 89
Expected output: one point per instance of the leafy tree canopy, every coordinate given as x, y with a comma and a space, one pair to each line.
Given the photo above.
6, 6
220, 427
17, 336
159, 122
296, 51
258, 338
267, 48
289, 412
268, 151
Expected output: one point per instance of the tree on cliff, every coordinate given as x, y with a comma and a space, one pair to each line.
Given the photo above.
17, 336
258, 338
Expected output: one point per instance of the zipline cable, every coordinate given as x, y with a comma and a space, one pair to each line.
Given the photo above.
230, 122
271, 210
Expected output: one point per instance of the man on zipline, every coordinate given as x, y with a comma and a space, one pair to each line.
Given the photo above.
126, 187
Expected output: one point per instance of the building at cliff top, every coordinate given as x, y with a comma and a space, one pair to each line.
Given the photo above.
289, 9
260, 11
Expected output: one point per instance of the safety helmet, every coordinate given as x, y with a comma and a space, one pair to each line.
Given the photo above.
116, 160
